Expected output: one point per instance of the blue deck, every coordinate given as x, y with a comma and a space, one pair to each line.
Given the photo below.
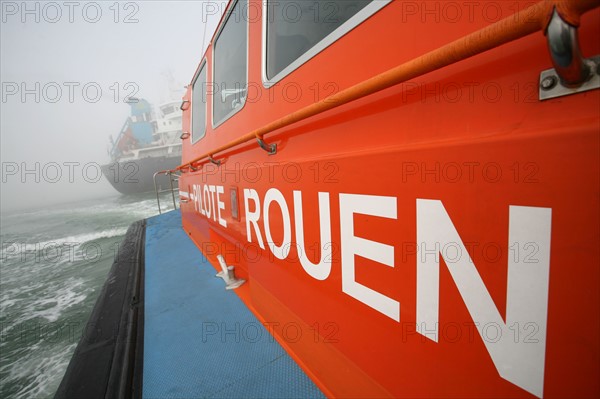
201, 341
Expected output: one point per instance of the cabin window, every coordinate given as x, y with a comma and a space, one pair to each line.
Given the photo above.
199, 105
298, 30
230, 64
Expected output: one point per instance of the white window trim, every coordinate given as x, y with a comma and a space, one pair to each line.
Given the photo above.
328, 40
225, 20
202, 65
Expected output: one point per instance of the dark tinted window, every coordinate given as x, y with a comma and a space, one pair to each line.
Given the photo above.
230, 65
199, 105
294, 27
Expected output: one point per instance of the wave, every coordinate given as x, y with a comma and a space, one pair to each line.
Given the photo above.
12, 249
50, 304
122, 206
54, 284
51, 308
37, 373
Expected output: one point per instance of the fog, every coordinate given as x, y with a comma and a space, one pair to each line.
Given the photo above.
66, 68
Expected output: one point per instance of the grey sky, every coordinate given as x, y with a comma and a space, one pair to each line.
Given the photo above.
73, 53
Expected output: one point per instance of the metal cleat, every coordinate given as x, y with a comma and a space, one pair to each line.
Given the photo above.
228, 275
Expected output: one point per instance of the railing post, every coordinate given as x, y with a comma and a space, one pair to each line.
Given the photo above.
157, 193
172, 189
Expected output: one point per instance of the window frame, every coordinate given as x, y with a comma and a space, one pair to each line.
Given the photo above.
327, 41
203, 64
228, 13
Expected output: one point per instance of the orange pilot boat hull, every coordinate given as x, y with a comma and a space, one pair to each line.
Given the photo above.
434, 236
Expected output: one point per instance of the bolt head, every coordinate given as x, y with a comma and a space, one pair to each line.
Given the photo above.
549, 82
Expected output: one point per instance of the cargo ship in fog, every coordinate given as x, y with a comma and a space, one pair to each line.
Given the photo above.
149, 141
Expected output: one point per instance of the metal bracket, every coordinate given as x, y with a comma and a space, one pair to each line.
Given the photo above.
572, 73
228, 275
269, 148
563, 44
214, 161
551, 85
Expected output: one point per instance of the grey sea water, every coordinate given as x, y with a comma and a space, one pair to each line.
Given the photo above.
54, 262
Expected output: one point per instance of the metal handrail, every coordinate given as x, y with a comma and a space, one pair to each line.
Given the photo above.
170, 173
525, 22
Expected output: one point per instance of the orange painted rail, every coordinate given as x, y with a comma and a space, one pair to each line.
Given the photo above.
516, 26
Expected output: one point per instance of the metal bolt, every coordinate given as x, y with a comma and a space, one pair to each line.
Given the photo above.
549, 82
